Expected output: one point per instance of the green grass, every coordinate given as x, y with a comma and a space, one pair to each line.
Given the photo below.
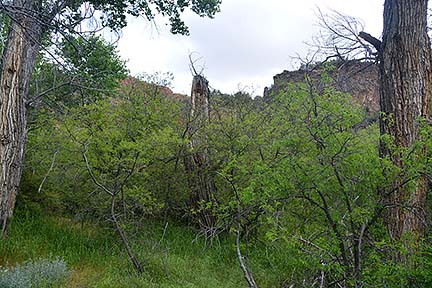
98, 259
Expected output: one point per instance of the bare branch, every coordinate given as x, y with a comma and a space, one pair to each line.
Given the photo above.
48, 172
95, 181
192, 65
340, 37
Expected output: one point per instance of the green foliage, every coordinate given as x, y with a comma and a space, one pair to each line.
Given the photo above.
131, 142
382, 271
4, 25
306, 175
114, 13
328, 172
302, 171
91, 69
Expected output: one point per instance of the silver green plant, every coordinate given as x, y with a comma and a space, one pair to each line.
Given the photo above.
35, 274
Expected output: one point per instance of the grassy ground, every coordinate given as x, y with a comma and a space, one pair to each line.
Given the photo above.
98, 259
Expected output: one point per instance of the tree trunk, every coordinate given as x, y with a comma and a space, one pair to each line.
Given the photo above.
19, 58
405, 72
198, 166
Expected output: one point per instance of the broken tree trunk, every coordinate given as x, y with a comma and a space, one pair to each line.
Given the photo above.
198, 165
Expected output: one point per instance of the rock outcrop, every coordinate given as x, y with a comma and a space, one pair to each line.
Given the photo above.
360, 79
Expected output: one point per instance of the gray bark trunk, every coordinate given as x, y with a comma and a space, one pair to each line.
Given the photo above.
201, 182
19, 58
405, 96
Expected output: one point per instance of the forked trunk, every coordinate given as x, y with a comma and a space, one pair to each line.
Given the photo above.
405, 96
19, 58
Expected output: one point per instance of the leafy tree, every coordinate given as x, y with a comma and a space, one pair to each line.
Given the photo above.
91, 69
322, 158
303, 172
235, 138
30, 22
110, 158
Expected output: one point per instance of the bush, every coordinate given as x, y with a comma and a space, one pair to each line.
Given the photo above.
40, 273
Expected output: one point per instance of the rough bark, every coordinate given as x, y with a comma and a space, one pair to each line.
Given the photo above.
19, 58
405, 94
198, 165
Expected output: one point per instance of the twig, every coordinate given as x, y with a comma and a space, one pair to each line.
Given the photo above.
48, 172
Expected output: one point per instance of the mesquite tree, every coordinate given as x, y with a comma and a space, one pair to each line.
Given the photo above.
30, 21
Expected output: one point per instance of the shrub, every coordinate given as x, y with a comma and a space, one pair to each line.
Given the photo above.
40, 273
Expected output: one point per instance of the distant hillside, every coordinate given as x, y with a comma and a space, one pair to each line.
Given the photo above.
360, 79
154, 87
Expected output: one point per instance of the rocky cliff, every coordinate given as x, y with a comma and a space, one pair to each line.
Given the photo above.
360, 79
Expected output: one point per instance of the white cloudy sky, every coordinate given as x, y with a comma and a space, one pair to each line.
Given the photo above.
243, 47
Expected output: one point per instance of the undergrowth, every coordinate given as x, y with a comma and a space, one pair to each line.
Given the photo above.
172, 257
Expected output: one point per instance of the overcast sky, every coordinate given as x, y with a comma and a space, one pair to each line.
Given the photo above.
243, 47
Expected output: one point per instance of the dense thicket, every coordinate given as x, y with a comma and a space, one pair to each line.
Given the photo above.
298, 173
31, 27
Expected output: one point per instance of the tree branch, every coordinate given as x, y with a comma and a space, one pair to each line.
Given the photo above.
376, 43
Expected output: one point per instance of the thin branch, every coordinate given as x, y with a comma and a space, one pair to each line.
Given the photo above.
48, 172
95, 181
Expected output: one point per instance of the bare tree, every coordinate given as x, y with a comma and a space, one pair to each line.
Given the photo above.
340, 38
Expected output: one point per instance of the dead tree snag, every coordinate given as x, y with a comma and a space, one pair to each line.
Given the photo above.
198, 165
